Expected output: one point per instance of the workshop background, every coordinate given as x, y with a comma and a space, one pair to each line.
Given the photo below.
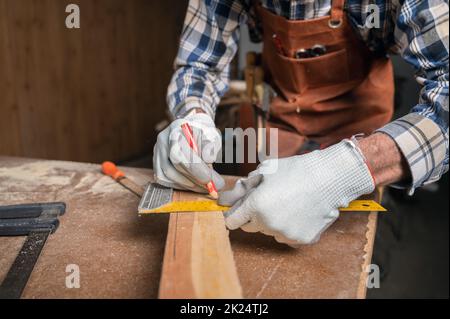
98, 93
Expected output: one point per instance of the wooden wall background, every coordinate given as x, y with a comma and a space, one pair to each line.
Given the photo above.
85, 94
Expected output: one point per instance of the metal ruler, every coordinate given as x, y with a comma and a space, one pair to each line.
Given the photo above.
157, 199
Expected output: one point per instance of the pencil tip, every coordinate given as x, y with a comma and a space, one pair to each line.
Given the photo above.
214, 194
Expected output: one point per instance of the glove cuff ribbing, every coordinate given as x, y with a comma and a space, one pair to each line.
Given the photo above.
348, 172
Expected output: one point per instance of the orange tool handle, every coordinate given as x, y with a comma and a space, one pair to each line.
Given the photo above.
110, 169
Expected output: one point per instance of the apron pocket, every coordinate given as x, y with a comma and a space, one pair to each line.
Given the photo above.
288, 75
325, 70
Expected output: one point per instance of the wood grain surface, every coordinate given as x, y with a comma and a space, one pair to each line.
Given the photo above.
85, 94
120, 254
198, 260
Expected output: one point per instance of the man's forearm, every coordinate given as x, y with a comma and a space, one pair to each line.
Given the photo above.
385, 159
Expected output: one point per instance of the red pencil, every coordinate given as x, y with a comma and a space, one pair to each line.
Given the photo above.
189, 134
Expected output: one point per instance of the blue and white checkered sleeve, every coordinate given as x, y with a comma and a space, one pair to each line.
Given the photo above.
422, 136
208, 43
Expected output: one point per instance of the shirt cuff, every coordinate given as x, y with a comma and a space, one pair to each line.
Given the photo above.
189, 104
424, 146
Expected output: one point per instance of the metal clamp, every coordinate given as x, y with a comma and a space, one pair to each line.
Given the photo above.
37, 222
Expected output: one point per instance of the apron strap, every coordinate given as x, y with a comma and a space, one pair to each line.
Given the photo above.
337, 13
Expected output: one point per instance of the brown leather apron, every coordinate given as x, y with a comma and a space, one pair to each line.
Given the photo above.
323, 99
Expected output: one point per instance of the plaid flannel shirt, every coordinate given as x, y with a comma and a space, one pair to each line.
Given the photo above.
417, 30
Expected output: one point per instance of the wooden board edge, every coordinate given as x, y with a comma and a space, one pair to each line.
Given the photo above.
368, 247
198, 259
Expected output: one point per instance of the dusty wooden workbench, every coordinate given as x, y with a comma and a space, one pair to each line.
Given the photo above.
120, 254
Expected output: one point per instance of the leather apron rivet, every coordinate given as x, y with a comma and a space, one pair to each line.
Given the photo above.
334, 24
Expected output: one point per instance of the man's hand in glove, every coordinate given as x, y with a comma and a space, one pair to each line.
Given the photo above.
175, 163
295, 199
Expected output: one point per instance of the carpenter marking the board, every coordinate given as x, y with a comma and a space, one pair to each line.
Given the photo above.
332, 105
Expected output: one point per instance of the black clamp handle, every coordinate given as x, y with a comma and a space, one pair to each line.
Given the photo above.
20, 220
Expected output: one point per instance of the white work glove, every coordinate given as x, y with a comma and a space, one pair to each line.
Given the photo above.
176, 165
295, 199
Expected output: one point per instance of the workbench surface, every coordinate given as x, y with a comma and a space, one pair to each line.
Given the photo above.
120, 254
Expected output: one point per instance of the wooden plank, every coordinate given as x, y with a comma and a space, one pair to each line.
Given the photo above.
368, 248
198, 260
